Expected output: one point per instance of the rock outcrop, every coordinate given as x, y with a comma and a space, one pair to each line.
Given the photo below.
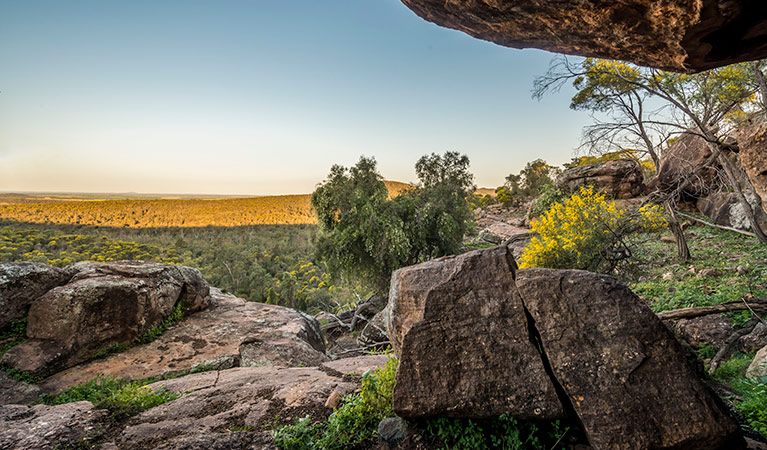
689, 167
232, 332
680, 35
22, 283
70, 425
752, 141
724, 208
620, 178
458, 322
103, 304
459, 327
758, 367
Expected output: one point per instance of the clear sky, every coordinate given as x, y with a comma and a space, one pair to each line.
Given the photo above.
257, 97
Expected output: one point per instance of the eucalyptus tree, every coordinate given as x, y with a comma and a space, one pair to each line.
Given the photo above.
643, 107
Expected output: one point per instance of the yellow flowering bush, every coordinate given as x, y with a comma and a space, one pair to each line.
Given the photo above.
587, 232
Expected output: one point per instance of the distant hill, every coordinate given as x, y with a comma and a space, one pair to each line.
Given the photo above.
92, 210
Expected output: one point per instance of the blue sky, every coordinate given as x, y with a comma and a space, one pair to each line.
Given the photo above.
257, 97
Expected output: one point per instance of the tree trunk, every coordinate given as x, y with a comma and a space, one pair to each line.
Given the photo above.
761, 80
681, 242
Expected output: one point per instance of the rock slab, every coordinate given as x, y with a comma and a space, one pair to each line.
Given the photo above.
232, 332
459, 327
43, 427
680, 35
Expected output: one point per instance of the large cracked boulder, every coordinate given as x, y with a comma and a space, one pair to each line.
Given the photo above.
103, 304
551, 341
679, 35
232, 332
22, 283
620, 178
460, 329
724, 208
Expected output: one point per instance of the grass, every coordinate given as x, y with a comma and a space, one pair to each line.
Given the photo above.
123, 398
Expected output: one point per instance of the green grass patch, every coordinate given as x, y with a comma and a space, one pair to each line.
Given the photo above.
753, 407
733, 369
123, 398
503, 432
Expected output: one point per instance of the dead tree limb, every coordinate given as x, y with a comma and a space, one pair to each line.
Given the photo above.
724, 353
723, 227
737, 305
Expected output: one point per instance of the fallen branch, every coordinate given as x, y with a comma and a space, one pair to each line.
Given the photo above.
689, 313
722, 227
724, 353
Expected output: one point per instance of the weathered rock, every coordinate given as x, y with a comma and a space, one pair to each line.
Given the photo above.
620, 178
758, 367
713, 329
354, 366
392, 430
459, 327
12, 391
102, 305
724, 208
43, 427
499, 232
689, 160
754, 340
22, 283
752, 141
374, 333
231, 332
679, 35
216, 401
624, 373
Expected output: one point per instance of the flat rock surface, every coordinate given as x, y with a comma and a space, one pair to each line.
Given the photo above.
216, 402
355, 366
12, 391
43, 427
231, 332
623, 371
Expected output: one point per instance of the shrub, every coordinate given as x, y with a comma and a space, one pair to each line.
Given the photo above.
753, 408
587, 232
351, 424
734, 368
503, 432
548, 198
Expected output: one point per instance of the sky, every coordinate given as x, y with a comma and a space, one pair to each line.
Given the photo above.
258, 97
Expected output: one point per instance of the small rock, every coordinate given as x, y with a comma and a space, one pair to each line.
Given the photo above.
741, 270
692, 269
333, 400
668, 276
392, 430
668, 239
708, 273
758, 367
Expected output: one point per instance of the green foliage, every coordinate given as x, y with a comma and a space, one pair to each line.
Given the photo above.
351, 424
20, 375
531, 182
503, 432
706, 351
481, 201
365, 235
548, 198
733, 369
587, 232
122, 398
176, 314
12, 335
753, 407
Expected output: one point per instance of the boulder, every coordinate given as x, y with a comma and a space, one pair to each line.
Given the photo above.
713, 329
355, 366
21, 283
724, 208
499, 232
103, 304
231, 332
43, 427
758, 367
624, 373
214, 402
12, 391
754, 340
752, 142
459, 327
619, 178
679, 35
689, 160
547, 341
